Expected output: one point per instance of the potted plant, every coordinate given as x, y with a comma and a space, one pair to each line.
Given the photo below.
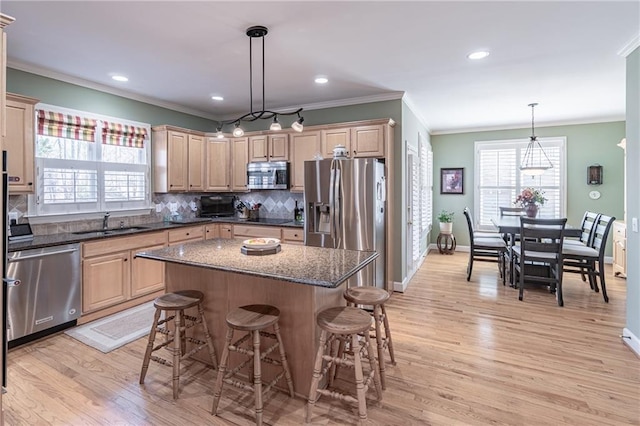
446, 222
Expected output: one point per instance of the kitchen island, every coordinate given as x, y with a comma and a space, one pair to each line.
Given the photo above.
299, 280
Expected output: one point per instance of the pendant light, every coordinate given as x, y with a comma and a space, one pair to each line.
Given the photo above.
535, 161
259, 31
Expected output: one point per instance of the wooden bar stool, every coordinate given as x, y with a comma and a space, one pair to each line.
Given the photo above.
344, 323
368, 295
253, 319
176, 336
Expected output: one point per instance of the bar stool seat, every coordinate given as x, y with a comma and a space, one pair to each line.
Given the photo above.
253, 319
337, 325
176, 338
369, 295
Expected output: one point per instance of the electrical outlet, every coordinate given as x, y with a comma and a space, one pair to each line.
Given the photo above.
158, 208
634, 224
13, 216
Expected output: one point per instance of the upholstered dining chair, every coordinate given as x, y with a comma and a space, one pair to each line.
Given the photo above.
579, 258
588, 226
538, 257
484, 249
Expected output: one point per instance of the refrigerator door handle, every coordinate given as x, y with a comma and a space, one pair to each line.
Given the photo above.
332, 182
337, 223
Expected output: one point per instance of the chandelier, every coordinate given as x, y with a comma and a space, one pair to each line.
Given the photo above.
259, 31
535, 161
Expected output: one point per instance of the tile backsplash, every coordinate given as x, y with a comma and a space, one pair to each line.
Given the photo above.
275, 204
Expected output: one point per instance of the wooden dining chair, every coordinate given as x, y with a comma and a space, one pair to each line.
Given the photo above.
485, 249
577, 258
538, 257
588, 226
511, 211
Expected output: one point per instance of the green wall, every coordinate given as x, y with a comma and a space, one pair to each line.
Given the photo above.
633, 194
586, 144
59, 93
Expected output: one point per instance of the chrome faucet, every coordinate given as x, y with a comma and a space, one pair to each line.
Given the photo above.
105, 221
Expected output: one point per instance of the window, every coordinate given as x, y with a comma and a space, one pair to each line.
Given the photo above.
499, 180
87, 163
426, 184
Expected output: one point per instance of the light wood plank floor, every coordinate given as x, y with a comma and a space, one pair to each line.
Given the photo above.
467, 352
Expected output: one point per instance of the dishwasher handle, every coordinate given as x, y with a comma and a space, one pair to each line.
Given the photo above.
39, 255
11, 282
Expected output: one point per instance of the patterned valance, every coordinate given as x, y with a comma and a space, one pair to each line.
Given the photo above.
66, 126
123, 135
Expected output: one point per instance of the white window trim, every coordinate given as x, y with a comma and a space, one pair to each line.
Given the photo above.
67, 217
501, 143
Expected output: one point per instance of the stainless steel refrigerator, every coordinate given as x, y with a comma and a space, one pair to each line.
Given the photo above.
344, 203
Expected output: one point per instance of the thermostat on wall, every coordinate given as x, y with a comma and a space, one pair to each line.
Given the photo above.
594, 195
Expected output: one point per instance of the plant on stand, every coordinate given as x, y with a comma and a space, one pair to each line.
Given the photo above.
446, 221
531, 199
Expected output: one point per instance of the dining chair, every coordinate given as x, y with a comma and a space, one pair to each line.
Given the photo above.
587, 227
485, 249
480, 234
577, 258
538, 257
511, 211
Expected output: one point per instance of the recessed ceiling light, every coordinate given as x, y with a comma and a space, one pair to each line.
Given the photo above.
321, 80
217, 98
119, 78
481, 54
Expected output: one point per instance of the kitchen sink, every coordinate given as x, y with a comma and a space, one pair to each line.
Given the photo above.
111, 231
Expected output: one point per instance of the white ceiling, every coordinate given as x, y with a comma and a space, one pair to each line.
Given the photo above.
563, 55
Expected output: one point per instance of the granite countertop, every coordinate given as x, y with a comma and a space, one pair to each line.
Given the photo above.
324, 267
40, 241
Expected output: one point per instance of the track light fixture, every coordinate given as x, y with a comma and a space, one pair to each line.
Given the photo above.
535, 161
259, 31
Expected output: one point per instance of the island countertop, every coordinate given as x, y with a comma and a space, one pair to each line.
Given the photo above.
323, 267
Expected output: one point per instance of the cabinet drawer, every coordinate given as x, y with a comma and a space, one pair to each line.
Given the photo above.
116, 244
292, 235
186, 233
255, 231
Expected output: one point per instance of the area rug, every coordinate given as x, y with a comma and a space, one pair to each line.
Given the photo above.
116, 330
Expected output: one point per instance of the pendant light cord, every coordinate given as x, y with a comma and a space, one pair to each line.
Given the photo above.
533, 133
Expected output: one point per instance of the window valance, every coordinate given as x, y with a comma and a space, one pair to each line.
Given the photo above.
66, 126
123, 135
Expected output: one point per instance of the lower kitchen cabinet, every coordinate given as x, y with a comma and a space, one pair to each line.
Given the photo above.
253, 231
293, 235
186, 235
619, 248
218, 230
111, 275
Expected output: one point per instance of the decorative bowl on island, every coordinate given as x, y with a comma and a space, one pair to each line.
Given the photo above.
261, 243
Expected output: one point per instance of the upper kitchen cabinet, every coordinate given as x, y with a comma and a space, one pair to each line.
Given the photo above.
360, 141
218, 167
269, 148
178, 159
304, 146
239, 160
19, 142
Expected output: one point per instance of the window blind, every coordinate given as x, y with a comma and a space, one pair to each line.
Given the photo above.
68, 126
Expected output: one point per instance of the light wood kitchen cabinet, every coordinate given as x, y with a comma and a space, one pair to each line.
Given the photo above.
186, 234
360, 141
111, 275
269, 147
304, 146
239, 160
218, 155
172, 162
218, 230
19, 142
256, 231
619, 248
293, 235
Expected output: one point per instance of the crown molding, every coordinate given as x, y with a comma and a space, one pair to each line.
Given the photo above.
407, 100
5, 20
630, 46
104, 88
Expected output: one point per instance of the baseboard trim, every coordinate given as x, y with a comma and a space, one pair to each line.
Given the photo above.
632, 341
401, 287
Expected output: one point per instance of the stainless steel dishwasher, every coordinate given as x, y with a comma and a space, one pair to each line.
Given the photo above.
48, 298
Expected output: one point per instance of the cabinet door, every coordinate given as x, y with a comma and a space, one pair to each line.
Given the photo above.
304, 146
19, 144
293, 235
212, 231
178, 160
333, 137
196, 163
188, 233
367, 141
258, 148
105, 281
239, 160
278, 147
147, 275
226, 231
218, 153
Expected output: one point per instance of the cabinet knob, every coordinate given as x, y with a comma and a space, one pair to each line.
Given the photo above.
30, 183
295, 235
125, 259
187, 234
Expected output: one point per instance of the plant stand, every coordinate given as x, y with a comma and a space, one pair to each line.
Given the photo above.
446, 243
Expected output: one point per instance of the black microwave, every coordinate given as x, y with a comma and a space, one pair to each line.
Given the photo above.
268, 175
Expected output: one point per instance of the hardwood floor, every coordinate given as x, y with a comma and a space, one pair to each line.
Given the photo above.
467, 353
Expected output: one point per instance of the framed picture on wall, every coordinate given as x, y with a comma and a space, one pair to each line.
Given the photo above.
452, 181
